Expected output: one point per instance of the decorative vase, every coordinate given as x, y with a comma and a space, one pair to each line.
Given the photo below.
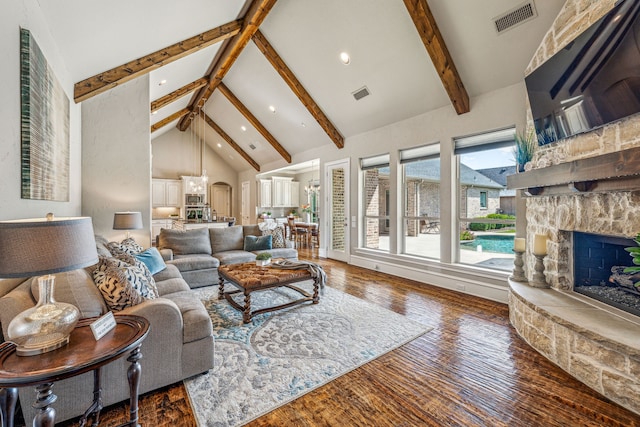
263, 262
307, 217
46, 326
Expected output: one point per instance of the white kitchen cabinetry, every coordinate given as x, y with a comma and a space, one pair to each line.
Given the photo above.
281, 192
265, 193
195, 185
166, 193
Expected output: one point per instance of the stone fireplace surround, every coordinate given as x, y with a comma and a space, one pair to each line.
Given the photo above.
597, 344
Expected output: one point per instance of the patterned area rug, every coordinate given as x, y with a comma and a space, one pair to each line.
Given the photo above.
284, 354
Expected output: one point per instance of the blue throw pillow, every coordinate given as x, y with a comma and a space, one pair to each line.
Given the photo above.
152, 259
257, 243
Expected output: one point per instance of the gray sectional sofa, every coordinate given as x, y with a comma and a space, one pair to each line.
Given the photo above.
198, 253
179, 344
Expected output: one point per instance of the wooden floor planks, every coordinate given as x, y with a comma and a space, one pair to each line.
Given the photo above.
471, 370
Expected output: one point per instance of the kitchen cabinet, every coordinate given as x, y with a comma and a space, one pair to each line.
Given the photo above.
281, 192
295, 194
265, 193
166, 193
195, 185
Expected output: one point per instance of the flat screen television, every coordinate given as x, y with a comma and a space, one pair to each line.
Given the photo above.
592, 81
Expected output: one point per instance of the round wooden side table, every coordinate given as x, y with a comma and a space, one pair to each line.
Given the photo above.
82, 354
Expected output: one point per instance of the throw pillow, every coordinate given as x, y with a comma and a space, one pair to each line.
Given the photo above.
278, 236
132, 245
255, 243
152, 259
122, 285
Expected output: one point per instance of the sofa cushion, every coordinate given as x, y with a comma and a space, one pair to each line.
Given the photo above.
288, 253
195, 319
185, 242
251, 230
255, 243
75, 287
170, 286
152, 259
170, 272
122, 285
226, 239
194, 262
101, 246
235, 257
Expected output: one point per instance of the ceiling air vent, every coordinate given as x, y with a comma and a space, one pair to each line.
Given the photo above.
253, 147
514, 17
361, 93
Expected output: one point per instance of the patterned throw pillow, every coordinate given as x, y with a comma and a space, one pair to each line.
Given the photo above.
132, 245
122, 285
278, 236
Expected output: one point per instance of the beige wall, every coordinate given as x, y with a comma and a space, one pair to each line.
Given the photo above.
116, 158
27, 14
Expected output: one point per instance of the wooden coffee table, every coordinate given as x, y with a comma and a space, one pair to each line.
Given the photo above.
249, 277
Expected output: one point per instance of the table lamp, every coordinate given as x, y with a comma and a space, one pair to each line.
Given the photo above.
40, 247
127, 221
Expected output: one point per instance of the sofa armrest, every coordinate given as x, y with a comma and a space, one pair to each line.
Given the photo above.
167, 254
160, 312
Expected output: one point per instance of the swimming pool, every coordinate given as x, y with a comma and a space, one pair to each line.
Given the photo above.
498, 243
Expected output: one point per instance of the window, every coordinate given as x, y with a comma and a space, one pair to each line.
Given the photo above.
486, 209
483, 200
421, 187
375, 203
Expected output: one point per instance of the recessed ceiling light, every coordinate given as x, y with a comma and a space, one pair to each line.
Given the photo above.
344, 58
162, 82
272, 108
153, 113
303, 125
244, 128
219, 145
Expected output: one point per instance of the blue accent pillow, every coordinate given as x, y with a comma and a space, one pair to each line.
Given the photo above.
152, 259
257, 243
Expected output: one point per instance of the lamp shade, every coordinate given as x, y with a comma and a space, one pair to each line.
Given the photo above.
34, 247
127, 221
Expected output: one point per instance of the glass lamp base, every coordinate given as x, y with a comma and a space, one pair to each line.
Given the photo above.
38, 344
46, 326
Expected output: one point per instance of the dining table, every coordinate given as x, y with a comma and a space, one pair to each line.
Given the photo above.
305, 237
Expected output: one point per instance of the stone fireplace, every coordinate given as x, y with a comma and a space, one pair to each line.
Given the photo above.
596, 192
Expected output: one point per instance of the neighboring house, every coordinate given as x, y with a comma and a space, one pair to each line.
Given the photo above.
479, 194
507, 197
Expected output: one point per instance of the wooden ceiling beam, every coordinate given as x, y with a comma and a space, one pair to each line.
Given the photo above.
254, 121
178, 93
255, 15
231, 142
287, 75
109, 79
434, 43
169, 119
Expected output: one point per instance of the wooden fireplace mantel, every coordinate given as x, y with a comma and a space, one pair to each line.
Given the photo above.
618, 171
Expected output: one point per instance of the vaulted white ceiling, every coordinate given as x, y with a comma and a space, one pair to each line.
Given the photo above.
387, 56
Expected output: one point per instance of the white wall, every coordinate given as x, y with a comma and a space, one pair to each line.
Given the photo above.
177, 153
27, 14
116, 158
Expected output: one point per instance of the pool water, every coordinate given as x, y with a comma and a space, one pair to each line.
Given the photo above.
502, 244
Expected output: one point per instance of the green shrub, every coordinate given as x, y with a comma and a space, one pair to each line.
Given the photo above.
480, 226
466, 235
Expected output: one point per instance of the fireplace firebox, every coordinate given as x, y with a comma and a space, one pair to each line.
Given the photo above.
598, 264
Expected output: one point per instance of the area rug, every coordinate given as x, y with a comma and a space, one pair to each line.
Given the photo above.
282, 355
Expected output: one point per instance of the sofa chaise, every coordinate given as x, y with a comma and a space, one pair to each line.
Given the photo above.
198, 253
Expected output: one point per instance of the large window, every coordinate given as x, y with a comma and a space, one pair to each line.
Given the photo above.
421, 188
375, 182
486, 208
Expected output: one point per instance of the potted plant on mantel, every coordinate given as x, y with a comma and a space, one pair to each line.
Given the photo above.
526, 144
263, 258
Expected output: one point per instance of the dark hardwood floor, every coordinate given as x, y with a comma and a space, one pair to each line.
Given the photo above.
472, 369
